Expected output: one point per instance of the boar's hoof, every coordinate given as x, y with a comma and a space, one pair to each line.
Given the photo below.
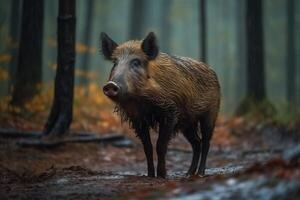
161, 174
151, 174
201, 173
190, 174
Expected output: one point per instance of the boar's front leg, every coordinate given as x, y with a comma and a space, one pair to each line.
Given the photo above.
166, 128
142, 131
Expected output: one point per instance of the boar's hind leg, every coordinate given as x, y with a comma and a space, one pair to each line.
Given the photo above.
143, 133
192, 136
207, 123
166, 129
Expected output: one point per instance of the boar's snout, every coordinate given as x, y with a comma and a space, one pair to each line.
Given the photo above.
111, 89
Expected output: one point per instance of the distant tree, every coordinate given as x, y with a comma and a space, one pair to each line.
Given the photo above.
137, 15
61, 112
256, 100
202, 20
255, 45
241, 49
14, 32
291, 65
29, 67
87, 38
165, 24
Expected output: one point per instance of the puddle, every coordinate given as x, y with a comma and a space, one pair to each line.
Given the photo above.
111, 177
259, 189
130, 173
62, 181
225, 170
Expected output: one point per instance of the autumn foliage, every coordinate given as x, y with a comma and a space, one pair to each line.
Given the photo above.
92, 110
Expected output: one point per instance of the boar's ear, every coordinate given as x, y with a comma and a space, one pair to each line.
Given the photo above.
149, 46
107, 45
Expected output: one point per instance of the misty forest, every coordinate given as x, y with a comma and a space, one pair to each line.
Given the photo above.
77, 116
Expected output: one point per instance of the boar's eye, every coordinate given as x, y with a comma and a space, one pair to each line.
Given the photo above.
135, 63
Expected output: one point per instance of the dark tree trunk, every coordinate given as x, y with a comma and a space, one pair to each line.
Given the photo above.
291, 68
15, 17
241, 50
61, 113
255, 54
87, 39
202, 20
256, 101
137, 14
29, 68
165, 25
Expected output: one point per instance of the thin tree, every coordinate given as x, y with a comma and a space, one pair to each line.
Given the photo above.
202, 20
255, 58
255, 100
29, 67
61, 112
137, 15
87, 39
290, 65
14, 31
165, 24
241, 49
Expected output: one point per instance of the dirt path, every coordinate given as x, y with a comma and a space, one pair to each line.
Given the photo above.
243, 166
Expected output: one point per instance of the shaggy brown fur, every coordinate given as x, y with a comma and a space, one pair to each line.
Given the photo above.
170, 92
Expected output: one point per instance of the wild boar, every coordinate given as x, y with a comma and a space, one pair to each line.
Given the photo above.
171, 94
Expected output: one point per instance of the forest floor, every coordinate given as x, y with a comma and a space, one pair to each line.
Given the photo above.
247, 160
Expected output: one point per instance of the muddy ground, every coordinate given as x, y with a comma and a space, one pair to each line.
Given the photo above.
246, 161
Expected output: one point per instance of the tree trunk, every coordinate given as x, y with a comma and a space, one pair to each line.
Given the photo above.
137, 14
29, 68
165, 25
202, 20
256, 101
14, 30
87, 39
255, 54
290, 65
61, 113
241, 50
